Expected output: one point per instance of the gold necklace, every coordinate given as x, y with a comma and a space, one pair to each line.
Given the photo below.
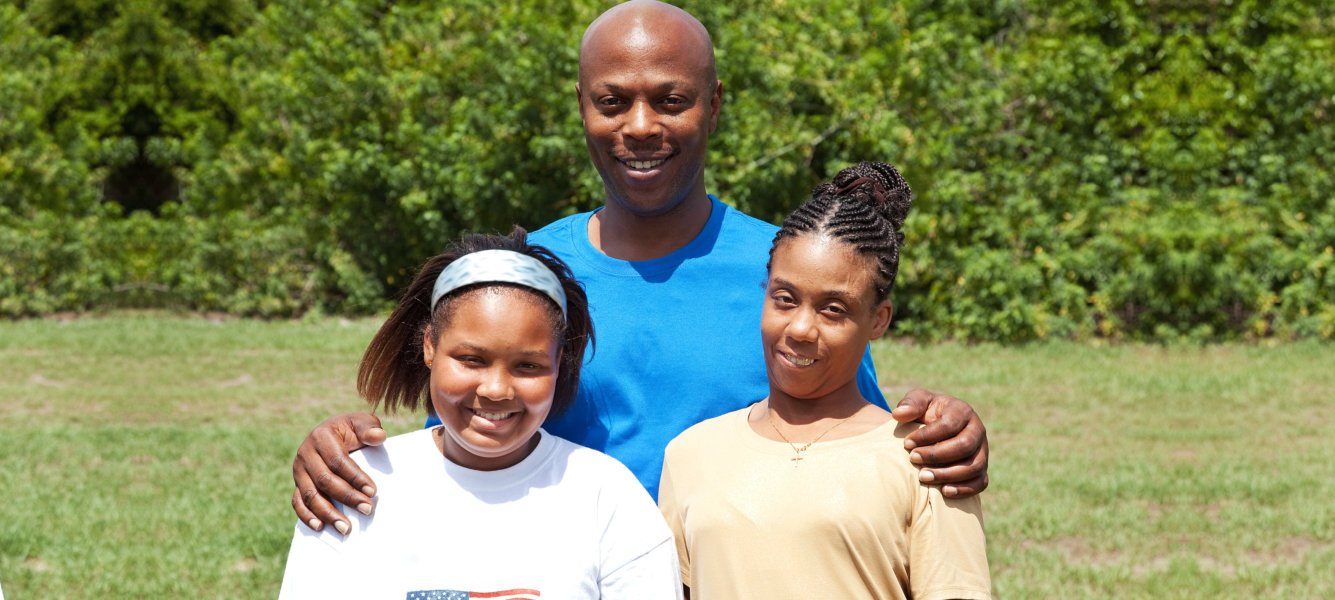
801, 452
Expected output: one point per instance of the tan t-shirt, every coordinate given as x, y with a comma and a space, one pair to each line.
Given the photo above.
848, 521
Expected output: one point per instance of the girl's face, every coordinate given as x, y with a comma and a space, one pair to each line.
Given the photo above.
820, 313
493, 376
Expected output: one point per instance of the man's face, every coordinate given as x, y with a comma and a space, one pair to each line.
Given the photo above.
648, 103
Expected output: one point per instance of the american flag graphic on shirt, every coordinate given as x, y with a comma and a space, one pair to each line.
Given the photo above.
462, 595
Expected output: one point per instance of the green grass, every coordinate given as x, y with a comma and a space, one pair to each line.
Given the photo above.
143, 455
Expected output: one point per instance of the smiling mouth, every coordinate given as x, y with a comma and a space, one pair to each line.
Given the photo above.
643, 165
493, 416
801, 362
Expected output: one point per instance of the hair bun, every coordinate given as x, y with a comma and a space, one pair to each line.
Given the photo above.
877, 184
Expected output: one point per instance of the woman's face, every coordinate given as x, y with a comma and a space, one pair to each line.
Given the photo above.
493, 375
820, 313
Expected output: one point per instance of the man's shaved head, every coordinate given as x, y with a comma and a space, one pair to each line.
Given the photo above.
641, 23
649, 98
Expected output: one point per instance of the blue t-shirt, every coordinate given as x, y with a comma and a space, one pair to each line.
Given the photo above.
677, 338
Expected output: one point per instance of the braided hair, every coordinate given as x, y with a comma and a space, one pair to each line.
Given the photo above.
864, 206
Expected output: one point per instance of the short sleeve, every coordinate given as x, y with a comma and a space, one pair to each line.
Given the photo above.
948, 550
311, 566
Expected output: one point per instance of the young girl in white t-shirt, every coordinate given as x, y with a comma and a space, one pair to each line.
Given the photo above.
809, 493
489, 337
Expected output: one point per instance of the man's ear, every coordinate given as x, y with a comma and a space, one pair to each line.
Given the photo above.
579, 99
884, 312
715, 103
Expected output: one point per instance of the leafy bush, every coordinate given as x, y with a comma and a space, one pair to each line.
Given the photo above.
1118, 169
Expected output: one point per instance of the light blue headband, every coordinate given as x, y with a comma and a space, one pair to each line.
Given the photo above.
499, 266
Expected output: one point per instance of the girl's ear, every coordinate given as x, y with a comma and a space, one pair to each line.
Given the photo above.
881, 318
428, 346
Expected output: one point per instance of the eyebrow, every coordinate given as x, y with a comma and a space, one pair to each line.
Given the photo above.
841, 294
666, 85
481, 350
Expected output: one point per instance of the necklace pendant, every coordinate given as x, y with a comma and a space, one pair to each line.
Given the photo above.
795, 459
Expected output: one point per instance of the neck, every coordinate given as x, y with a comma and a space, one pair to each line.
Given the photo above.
623, 235
839, 404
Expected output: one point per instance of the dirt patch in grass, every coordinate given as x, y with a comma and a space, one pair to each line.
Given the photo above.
244, 379
1291, 551
1077, 551
38, 379
37, 565
245, 564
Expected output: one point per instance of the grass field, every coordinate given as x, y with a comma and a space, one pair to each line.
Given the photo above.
144, 455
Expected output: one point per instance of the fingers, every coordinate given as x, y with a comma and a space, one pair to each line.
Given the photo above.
322, 471
342, 480
304, 514
959, 480
944, 417
368, 429
313, 508
972, 487
951, 447
946, 442
913, 406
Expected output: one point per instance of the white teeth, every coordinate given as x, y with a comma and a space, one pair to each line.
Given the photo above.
801, 362
490, 416
643, 164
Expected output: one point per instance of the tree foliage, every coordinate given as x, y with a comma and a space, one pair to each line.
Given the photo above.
1147, 170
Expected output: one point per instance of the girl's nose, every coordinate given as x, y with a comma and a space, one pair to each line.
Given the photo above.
495, 385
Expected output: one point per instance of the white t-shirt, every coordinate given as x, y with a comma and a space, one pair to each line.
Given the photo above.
566, 522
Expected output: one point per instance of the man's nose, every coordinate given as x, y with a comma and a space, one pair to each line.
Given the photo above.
641, 121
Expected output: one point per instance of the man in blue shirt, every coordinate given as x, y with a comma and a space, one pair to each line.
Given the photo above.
674, 278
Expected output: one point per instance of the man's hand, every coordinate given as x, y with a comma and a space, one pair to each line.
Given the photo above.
951, 447
323, 470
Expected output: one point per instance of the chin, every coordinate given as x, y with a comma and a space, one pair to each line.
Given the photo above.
649, 208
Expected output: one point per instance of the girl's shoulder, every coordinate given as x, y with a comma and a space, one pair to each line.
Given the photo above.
588, 464
398, 452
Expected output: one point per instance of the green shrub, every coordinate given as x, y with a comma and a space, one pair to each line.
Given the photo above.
1117, 169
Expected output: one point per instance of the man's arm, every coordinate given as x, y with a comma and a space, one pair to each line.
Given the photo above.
951, 448
323, 470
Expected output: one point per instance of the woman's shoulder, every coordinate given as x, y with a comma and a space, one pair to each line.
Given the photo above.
709, 432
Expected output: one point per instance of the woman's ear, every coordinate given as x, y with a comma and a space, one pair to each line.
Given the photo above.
428, 346
881, 318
